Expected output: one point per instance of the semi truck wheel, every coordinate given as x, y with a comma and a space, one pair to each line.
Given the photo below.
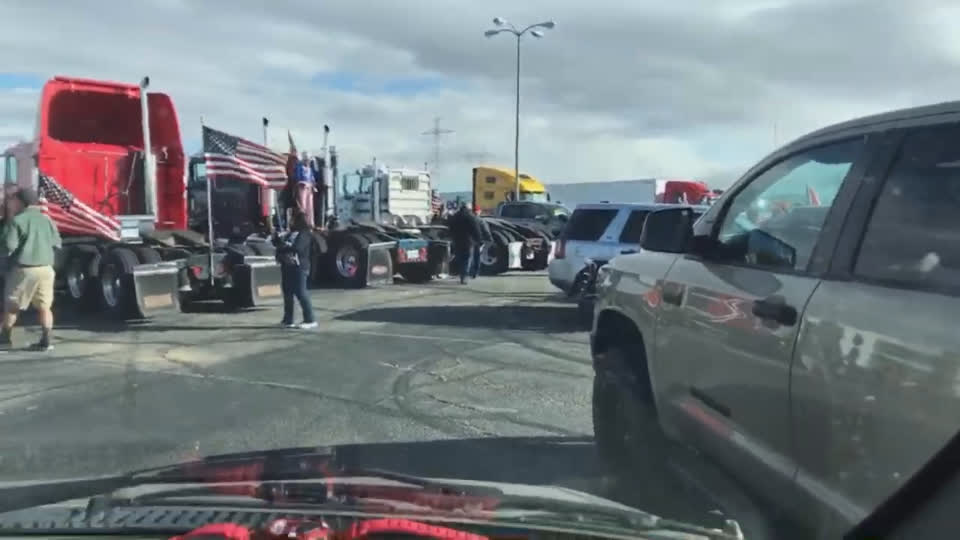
147, 255
80, 272
243, 294
350, 261
117, 294
494, 259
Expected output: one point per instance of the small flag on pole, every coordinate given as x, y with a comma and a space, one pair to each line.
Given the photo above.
233, 157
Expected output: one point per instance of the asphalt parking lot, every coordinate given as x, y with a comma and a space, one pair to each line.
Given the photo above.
487, 381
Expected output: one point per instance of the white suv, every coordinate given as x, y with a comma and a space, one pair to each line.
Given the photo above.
600, 231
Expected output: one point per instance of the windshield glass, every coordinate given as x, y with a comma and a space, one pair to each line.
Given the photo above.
534, 197
591, 262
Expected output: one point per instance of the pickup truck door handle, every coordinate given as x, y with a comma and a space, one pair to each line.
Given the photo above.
775, 308
672, 293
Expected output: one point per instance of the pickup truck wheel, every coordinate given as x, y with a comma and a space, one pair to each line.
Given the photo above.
625, 425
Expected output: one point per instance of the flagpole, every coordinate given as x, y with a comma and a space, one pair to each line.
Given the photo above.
210, 239
271, 193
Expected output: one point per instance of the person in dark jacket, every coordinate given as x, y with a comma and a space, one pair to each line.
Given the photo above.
293, 253
465, 232
486, 238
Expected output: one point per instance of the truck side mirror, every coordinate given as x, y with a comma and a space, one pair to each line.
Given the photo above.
669, 230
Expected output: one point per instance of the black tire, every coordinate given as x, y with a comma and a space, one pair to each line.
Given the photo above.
416, 273
495, 259
116, 288
147, 255
80, 273
625, 424
348, 261
173, 254
243, 294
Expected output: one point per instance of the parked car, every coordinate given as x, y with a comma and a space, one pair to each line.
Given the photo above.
802, 333
598, 231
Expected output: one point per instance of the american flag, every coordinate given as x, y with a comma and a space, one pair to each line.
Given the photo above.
71, 215
233, 157
436, 203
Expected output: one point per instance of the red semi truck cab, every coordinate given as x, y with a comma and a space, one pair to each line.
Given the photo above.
90, 138
685, 191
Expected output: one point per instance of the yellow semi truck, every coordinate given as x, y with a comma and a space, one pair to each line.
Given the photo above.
494, 185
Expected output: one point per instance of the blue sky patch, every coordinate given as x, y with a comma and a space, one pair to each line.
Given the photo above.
20, 80
347, 81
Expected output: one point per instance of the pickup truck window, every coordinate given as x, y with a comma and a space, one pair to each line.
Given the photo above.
633, 227
587, 225
912, 236
776, 220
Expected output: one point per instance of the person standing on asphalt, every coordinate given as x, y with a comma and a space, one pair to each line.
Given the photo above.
293, 253
486, 238
465, 231
30, 238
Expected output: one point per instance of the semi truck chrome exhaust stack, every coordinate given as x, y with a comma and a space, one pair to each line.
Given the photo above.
149, 162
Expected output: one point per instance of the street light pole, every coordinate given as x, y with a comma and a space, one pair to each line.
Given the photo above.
516, 132
505, 26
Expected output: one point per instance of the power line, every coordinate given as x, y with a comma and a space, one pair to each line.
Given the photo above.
437, 133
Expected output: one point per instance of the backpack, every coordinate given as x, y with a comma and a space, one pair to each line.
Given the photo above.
287, 252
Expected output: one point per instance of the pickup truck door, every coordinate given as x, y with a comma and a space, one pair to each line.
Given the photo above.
730, 312
876, 377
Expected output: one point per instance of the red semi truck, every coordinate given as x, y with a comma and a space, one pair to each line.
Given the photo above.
127, 245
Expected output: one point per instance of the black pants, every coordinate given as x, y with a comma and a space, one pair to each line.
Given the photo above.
463, 251
293, 281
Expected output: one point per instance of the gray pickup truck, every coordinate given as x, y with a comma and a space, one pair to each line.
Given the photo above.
801, 333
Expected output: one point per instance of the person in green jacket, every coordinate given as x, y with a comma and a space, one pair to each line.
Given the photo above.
29, 238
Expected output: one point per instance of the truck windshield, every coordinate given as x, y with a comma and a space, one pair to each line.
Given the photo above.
534, 197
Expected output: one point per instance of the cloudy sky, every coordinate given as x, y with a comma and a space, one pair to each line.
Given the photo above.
619, 89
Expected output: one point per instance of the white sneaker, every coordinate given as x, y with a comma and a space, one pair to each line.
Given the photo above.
307, 325
288, 325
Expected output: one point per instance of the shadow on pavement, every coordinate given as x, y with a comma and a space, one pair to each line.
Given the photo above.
512, 317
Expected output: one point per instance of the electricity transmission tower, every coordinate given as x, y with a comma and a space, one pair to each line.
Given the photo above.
437, 133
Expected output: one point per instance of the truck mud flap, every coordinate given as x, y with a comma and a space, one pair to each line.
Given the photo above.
262, 276
438, 257
515, 255
155, 288
380, 263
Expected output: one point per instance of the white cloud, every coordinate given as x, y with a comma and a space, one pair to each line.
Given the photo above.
617, 90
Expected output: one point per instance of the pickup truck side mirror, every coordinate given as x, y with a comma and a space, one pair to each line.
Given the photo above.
669, 230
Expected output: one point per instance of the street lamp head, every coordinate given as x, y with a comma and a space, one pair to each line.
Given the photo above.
548, 25
536, 33
491, 33
499, 21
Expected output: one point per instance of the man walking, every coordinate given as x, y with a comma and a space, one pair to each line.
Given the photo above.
465, 231
486, 238
30, 238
